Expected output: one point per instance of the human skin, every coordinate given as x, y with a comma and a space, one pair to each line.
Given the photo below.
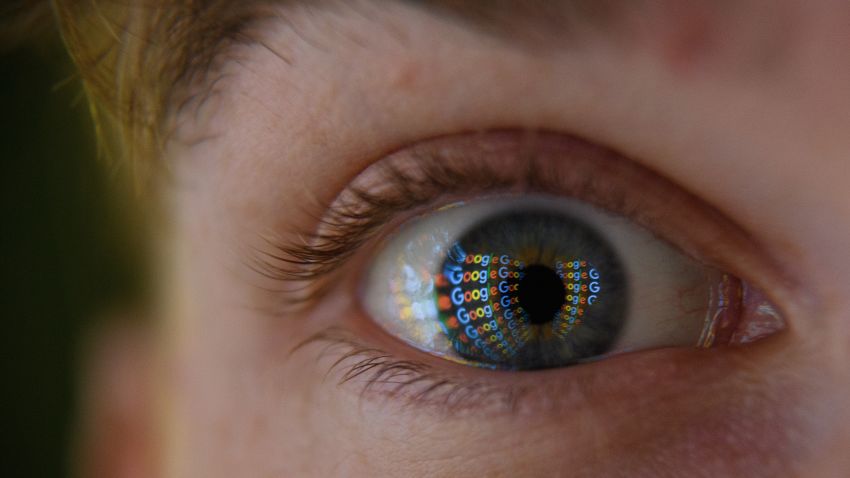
746, 106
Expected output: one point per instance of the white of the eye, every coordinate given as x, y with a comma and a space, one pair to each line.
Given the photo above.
669, 290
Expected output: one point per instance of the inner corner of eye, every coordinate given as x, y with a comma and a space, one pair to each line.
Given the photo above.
530, 283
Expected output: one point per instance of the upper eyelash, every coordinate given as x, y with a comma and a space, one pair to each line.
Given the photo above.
413, 383
357, 214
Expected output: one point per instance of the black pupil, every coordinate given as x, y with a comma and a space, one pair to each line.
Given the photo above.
541, 293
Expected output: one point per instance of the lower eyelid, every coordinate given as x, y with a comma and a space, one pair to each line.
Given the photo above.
688, 405
360, 358
379, 377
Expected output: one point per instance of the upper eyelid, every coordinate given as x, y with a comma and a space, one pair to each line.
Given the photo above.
356, 213
514, 161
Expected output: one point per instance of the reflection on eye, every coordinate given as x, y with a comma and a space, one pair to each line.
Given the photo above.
523, 290
536, 282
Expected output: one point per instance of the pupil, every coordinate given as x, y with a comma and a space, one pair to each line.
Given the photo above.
541, 293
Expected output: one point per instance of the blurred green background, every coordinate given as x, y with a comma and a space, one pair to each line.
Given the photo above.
64, 253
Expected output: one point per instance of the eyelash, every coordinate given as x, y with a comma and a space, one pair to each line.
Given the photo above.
412, 382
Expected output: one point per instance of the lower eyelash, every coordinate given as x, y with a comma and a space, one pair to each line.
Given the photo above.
379, 375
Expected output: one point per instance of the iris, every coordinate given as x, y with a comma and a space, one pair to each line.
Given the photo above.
531, 289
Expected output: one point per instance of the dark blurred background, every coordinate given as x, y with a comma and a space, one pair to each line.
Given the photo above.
65, 259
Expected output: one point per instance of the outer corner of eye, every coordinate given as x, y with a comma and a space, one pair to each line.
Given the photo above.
533, 282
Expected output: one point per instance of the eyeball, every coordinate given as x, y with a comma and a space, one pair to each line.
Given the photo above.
535, 282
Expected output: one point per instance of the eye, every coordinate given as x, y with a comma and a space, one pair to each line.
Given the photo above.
535, 282
518, 251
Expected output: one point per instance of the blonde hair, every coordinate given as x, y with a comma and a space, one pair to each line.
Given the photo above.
139, 61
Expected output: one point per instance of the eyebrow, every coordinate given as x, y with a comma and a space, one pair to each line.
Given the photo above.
532, 24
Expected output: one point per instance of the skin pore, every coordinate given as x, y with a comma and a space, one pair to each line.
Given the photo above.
743, 104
